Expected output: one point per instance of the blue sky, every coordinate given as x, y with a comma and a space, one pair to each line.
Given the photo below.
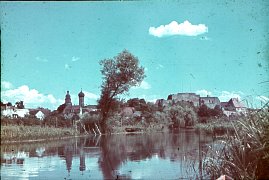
215, 48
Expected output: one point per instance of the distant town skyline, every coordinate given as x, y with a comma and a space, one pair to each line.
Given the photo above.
208, 48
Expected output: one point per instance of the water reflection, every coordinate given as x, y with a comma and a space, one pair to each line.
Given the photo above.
159, 155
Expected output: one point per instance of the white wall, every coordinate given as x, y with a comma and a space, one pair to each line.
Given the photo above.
20, 112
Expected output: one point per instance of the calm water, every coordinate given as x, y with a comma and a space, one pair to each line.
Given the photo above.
153, 156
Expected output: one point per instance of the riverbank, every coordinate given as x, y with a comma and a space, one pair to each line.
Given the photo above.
15, 133
216, 127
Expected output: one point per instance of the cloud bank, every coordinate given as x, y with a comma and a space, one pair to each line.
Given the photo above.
203, 93
32, 98
174, 28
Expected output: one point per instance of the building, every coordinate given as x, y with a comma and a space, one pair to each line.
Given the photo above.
233, 107
210, 102
196, 100
188, 97
75, 111
39, 113
13, 111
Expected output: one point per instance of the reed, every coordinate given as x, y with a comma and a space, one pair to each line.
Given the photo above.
17, 133
216, 127
243, 154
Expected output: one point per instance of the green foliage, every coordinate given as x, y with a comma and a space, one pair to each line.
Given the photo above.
182, 114
119, 75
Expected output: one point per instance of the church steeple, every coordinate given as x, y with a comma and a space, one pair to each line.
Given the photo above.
68, 99
81, 98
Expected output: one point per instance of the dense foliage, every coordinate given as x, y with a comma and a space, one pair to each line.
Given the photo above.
182, 114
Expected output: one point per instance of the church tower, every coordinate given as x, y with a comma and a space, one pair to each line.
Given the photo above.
81, 98
68, 99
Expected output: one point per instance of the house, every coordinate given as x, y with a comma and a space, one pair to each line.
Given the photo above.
13, 112
39, 113
210, 102
233, 107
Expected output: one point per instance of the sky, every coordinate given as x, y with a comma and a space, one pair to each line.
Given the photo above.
216, 48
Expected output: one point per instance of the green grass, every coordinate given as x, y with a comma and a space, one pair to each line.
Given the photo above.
18, 133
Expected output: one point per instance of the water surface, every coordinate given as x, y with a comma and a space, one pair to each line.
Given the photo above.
139, 156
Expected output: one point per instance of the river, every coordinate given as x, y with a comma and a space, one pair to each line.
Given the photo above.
133, 156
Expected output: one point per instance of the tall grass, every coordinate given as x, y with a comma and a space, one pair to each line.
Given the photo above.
215, 127
245, 153
17, 133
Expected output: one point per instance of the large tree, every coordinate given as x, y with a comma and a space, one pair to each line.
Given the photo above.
119, 75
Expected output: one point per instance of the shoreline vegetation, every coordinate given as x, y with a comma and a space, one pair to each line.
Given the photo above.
17, 133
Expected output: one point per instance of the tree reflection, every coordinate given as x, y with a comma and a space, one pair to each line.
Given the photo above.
117, 149
113, 151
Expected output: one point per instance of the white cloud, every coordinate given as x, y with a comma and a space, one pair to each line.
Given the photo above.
67, 66
223, 96
174, 28
143, 85
31, 97
89, 98
6, 85
226, 96
203, 93
74, 59
90, 95
41, 59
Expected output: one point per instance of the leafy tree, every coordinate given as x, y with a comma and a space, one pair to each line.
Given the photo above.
182, 114
119, 75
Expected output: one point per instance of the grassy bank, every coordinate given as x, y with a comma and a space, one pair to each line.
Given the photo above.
10, 133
